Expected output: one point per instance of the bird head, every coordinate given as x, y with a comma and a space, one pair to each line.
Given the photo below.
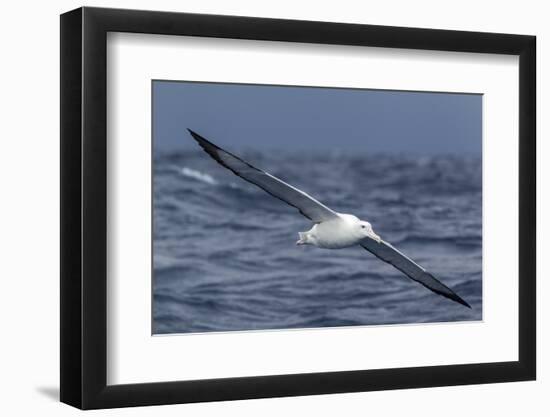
365, 228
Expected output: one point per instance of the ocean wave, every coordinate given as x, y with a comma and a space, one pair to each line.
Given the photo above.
198, 175
225, 259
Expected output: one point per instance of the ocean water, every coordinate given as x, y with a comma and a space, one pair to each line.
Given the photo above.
225, 257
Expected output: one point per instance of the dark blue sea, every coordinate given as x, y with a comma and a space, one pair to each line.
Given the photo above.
225, 256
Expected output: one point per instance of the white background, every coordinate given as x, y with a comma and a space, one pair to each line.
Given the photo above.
29, 218
134, 356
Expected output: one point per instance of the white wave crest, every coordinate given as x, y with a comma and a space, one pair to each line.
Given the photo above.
197, 175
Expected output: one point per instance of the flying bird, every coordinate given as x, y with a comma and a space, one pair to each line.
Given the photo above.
331, 230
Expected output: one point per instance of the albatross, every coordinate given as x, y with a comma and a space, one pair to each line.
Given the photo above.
331, 230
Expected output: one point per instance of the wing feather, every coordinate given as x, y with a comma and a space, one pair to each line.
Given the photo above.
386, 252
307, 205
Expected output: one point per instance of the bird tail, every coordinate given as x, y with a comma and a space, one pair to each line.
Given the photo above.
304, 238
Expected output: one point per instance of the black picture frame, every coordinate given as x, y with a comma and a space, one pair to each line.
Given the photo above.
84, 207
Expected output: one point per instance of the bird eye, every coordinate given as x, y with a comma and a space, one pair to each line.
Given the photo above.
362, 227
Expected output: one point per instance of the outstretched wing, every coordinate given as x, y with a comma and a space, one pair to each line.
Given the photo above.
389, 254
307, 205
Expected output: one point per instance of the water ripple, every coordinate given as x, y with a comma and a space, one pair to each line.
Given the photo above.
225, 259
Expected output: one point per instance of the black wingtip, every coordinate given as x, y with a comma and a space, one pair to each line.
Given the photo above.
194, 134
460, 301
450, 294
201, 140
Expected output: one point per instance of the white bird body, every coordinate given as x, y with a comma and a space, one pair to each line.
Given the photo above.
331, 230
337, 233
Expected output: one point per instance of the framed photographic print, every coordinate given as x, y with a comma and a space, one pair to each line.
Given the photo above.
258, 207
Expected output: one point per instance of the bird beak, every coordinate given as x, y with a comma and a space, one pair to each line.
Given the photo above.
375, 237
